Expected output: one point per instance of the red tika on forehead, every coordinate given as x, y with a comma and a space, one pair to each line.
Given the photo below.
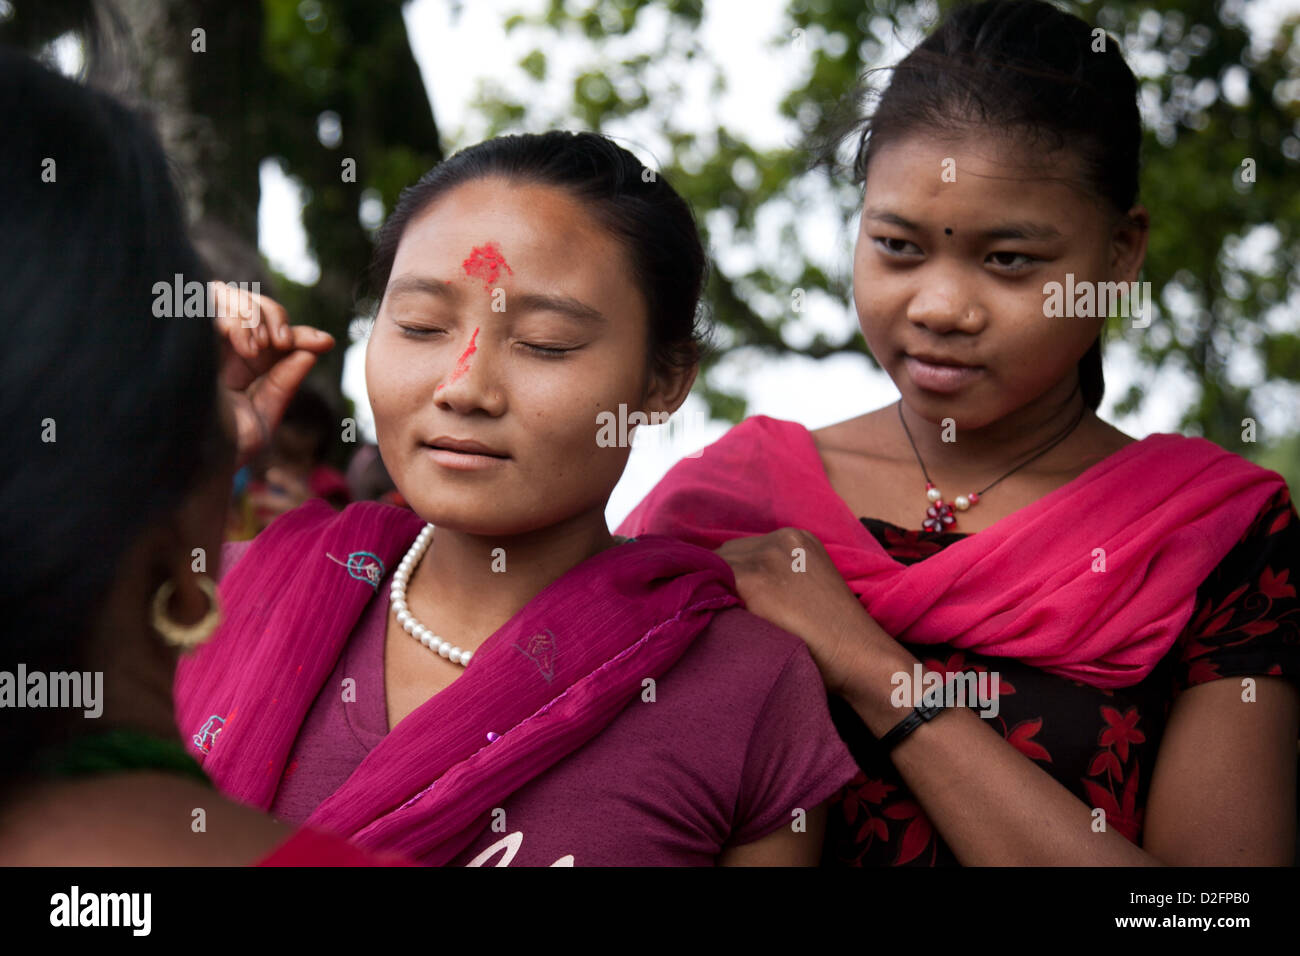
486, 262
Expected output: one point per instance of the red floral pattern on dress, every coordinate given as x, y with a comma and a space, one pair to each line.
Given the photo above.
1021, 737
859, 796
1245, 621
1118, 797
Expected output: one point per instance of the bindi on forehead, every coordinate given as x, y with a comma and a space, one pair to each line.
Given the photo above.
947, 231
486, 262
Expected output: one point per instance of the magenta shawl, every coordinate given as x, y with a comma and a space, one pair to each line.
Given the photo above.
543, 685
1165, 511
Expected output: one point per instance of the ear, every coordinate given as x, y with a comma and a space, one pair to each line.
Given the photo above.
1129, 244
669, 388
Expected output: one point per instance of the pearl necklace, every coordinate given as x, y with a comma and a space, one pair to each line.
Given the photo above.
410, 624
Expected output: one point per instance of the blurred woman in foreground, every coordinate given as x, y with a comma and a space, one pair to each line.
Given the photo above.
115, 500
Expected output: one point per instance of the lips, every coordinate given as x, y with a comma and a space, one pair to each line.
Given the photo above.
465, 446
930, 359
933, 376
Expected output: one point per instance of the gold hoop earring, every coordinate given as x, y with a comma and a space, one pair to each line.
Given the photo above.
186, 636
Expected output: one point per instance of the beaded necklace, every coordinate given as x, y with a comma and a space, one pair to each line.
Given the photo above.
939, 516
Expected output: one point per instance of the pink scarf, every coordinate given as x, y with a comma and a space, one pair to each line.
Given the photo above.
543, 685
1165, 511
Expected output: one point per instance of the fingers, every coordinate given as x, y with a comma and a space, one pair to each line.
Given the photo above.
274, 324
265, 379
313, 340
231, 321
250, 321
272, 395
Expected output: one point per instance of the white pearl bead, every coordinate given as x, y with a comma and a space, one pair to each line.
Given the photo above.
934, 494
408, 621
961, 502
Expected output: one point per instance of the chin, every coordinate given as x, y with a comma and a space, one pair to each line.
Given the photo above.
484, 519
935, 407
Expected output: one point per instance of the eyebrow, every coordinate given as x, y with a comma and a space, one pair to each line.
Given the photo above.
1005, 230
415, 285
523, 302
563, 304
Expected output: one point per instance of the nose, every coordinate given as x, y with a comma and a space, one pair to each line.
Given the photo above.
945, 304
472, 385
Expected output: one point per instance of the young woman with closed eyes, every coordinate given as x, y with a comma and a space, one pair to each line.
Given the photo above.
491, 677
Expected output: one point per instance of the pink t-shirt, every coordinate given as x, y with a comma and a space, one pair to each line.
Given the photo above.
737, 739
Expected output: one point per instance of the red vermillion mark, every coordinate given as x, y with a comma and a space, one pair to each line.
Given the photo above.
462, 363
486, 263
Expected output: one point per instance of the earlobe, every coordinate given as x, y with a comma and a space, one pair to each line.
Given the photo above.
1130, 242
669, 388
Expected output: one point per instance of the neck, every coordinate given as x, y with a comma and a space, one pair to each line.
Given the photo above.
986, 452
139, 667
476, 583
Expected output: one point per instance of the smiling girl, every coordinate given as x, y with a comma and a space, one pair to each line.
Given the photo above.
516, 686
1130, 604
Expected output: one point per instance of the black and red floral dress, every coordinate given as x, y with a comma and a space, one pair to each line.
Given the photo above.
1100, 744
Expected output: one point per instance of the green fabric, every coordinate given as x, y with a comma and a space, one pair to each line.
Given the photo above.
116, 750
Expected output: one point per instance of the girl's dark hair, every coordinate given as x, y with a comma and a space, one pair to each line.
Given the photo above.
636, 204
1025, 67
113, 411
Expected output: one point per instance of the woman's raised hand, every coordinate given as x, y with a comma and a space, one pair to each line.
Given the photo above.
263, 361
